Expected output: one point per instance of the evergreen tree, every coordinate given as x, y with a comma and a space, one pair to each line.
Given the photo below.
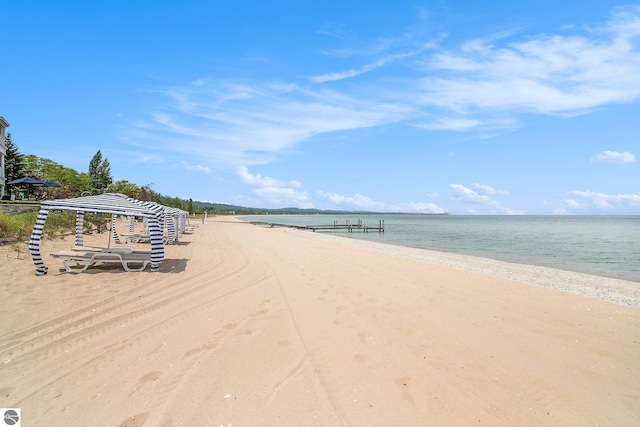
105, 173
99, 174
14, 161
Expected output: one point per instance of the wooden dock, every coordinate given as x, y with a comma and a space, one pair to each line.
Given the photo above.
347, 226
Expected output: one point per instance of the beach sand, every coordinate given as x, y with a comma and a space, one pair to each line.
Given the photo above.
252, 326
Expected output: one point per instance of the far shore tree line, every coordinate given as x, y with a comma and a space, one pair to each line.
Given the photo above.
97, 180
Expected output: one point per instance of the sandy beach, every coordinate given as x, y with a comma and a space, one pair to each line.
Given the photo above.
252, 326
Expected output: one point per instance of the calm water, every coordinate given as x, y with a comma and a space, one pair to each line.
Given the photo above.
602, 245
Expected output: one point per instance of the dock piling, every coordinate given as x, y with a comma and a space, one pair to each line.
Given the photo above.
348, 226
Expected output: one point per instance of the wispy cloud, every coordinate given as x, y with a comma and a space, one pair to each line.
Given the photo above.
197, 168
614, 157
418, 207
469, 196
489, 190
592, 201
280, 196
483, 86
258, 180
546, 74
275, 192
230, 124
359, 201
355, 72
452, 124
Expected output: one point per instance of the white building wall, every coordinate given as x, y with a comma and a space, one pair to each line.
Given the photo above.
3, 153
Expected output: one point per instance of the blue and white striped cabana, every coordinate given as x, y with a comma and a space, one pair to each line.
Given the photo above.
173, 217
110, 203
170, 220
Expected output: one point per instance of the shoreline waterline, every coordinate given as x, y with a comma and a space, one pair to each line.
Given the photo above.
618, 291
599, 245
310, 330
610, 289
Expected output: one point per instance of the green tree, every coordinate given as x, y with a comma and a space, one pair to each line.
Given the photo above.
14, 161
132, 190
146, 193
31, 165
99, 174
73, 183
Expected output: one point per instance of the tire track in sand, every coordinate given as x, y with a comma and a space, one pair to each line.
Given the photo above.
83, 327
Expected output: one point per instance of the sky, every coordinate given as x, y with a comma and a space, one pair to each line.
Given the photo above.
459, 106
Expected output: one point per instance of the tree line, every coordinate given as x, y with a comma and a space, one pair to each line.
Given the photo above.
97, 180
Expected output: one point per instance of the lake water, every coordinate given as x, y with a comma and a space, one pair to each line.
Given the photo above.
602, 245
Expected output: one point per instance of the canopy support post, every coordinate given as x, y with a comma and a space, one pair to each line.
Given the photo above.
34, 242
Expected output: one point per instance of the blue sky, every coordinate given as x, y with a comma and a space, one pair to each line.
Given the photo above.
468, 107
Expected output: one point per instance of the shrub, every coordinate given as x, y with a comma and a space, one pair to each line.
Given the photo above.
17, 226
58, 224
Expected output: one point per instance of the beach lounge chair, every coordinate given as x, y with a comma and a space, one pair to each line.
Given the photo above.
137, 238
91, 257
188, 229
146, 238
118, 249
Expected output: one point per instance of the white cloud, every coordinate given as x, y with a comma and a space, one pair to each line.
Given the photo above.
454, 124
197, 168
489, 190
483, 86
614, 157
344, 74
467, 195
356, 201
264, 181
226, 123
600, 202
355, 72
545, 74
420, 207
284, 197
470, 195
275, 192
575, 205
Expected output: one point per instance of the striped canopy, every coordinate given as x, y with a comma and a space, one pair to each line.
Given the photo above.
172, 221
110, 203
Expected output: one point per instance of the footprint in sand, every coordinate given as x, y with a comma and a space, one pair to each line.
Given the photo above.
208, 346
260, 313
151, 376
136, 420
404, 383
366, 338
